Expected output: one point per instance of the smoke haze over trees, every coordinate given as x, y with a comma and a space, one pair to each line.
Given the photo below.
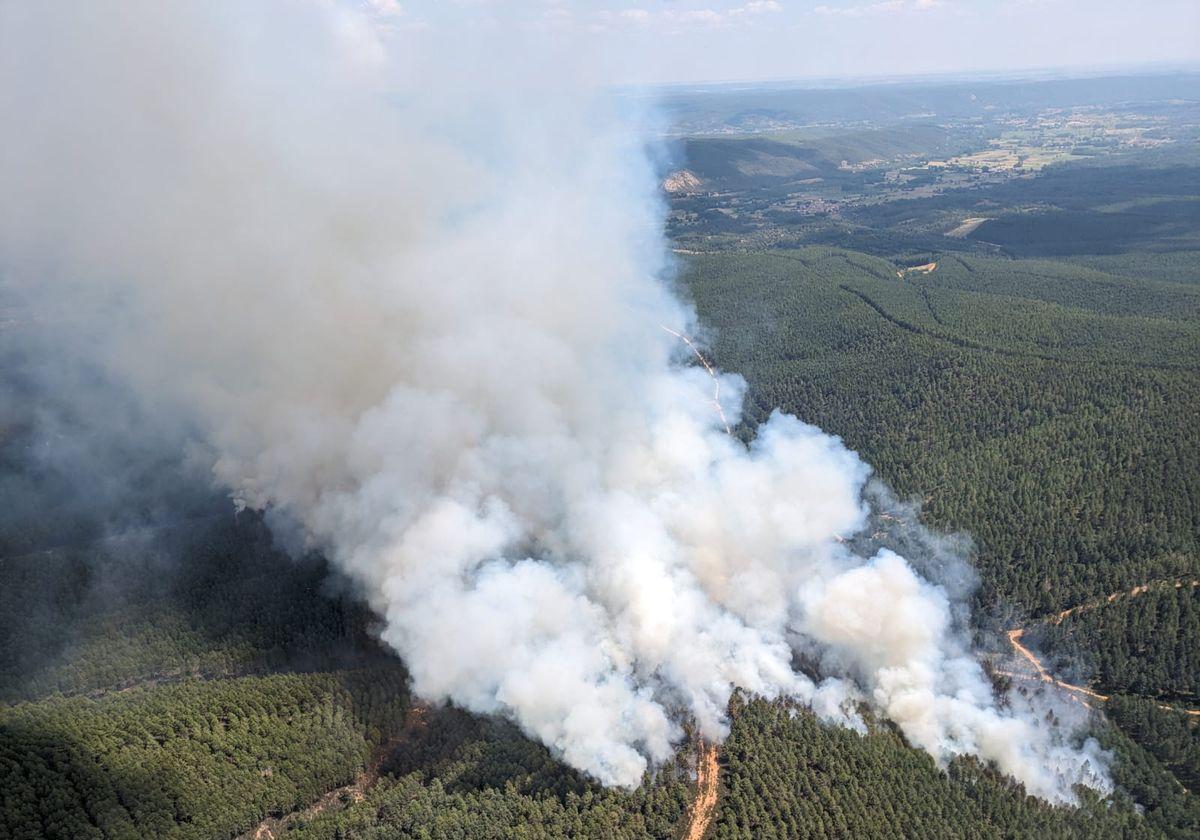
421, 323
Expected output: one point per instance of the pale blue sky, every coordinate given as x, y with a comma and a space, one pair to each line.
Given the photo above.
693, 40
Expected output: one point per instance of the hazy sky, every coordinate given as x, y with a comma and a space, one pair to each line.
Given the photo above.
692, 40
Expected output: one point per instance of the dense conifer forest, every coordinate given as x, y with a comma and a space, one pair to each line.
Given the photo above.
1057, 436
1033, 385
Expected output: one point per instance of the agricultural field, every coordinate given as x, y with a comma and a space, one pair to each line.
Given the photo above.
1045, 179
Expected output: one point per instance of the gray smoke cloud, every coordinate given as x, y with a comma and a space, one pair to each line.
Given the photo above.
407, 292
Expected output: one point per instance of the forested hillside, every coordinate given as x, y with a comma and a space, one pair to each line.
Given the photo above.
1014, 348
1022, 403
203, 758
1144, 643
1060, 437
1046, 409
788, 776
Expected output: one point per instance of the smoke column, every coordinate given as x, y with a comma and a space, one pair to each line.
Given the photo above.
415, 306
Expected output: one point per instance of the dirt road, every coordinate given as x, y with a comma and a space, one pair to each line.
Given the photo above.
1079, 692
1014, 639
1140, 589
272, 828
704, 806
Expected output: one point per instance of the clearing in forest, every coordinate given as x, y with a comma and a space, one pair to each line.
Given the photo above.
927, 268
967, 227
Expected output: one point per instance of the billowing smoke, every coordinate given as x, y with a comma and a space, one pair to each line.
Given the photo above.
416, 307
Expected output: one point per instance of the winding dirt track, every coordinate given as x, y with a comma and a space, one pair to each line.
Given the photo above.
1014, 639
1079, 692
716, 399
704, 806
1140, 589
272, 828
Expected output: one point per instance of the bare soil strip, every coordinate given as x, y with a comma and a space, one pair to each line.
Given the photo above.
967, 227
928, 268
1141, 589
704, 806
274, 827
1079, 692
1014, 638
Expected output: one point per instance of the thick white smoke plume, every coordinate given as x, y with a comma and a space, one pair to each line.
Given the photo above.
417, 308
